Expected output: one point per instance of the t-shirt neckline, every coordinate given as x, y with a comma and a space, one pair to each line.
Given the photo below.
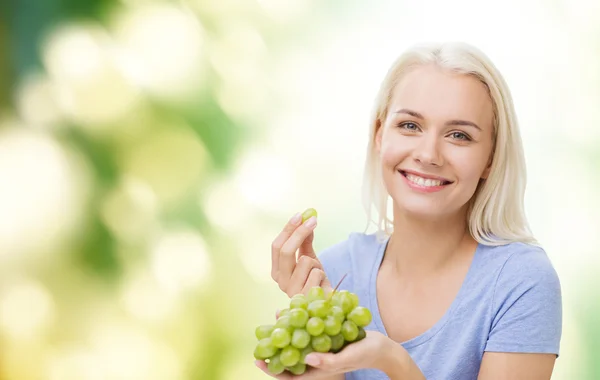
439, 325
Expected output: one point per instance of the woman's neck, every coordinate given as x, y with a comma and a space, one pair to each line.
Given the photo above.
420, 247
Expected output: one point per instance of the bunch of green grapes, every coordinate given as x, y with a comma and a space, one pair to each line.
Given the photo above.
314, 322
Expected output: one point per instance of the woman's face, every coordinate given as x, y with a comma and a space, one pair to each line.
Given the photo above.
436, 141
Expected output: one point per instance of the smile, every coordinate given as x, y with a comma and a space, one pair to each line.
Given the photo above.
423, 182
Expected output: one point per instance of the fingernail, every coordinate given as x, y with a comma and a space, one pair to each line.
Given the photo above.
312, 359
310, 223
296, 218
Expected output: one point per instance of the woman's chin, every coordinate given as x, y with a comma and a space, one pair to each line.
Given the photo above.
425, 210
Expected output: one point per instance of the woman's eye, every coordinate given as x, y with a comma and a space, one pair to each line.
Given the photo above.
409, 126
460, 136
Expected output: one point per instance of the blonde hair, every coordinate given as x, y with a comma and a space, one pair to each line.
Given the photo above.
496, 215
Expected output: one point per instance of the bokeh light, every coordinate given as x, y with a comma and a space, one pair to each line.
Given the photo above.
41, 194
130, 211
91, 88
26, 308
71, 363
265, 181
225, 206
164, 44
125, 353
37, 102
170, 160
145, 298
180, 261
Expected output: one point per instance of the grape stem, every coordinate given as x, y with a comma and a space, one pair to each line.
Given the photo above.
336, 287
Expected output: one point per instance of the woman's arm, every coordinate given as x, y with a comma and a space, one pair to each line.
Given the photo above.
494, 366
505, 366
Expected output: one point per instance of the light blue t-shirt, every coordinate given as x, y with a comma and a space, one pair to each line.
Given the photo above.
510, 301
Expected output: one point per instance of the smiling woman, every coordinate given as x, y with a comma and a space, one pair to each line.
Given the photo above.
458, 286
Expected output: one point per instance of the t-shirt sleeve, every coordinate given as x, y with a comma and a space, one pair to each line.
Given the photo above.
528, 306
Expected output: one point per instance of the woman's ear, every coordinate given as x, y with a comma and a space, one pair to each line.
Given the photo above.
488, 168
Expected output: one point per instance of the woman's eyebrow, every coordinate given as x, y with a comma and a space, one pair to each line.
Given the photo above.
450, 122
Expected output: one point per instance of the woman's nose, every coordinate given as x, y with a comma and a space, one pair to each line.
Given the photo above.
427, 152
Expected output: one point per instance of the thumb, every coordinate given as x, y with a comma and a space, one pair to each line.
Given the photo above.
344, 361
327, 362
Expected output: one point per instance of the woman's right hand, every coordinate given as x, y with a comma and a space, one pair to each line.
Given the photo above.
297, 276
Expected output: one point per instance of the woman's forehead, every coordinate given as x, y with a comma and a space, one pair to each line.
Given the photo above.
440, 94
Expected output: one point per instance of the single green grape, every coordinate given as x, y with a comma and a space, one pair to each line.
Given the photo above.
297, 369
280, 337
289, 356
333, 326
305, 351
275, 366
342, 292
298, 317
349, 331
346, 302
361, 316
355, 300
283, 313
299, 301
300, 338
319, 308
337, 342
264, 349
321, 343
315, 326
263, 331
308, 213
335, 298
338, 313
362, 334
284, 322
315, 293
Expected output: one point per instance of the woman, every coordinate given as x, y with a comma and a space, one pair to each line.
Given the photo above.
458, 287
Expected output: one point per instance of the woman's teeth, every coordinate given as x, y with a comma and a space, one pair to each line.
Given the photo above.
423, 181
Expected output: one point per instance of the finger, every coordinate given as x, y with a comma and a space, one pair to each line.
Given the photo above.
306, 247
287, 253
263, 367
326, 284
315, 278
303, 268
283, 236
314, 374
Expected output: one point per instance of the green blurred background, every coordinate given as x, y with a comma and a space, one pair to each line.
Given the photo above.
150, 151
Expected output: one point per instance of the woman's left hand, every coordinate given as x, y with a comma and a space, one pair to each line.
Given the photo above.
371, 352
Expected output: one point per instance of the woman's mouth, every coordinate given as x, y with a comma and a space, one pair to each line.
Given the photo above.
425, 181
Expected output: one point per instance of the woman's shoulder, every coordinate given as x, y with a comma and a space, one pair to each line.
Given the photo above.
523, 268
518, 260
